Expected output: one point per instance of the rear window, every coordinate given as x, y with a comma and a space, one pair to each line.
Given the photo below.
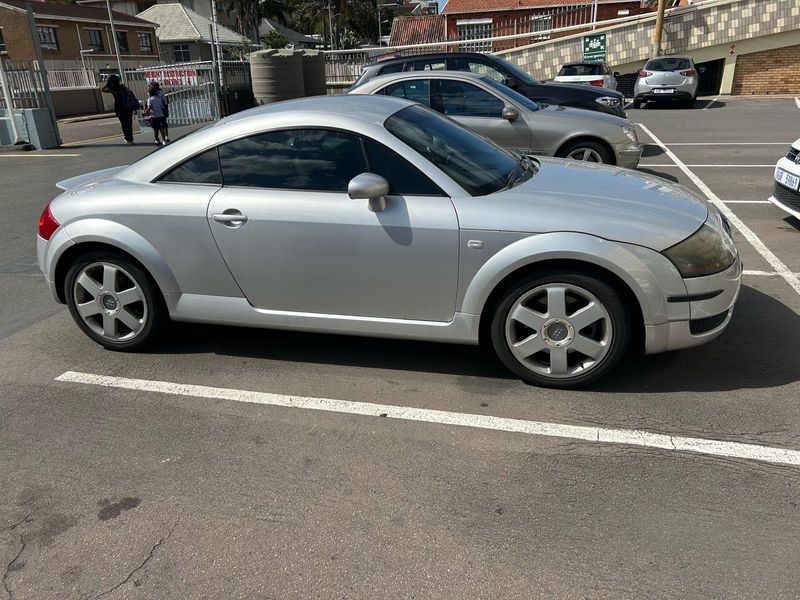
667, 64
574, 70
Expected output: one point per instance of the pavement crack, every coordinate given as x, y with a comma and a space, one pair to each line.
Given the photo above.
26, 519
142, 564
8, 569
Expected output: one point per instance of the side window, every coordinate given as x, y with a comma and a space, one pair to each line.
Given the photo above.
464, 64
296, 159
426, 65
203, 168
417, 90
397, 68
459, 98
403, 177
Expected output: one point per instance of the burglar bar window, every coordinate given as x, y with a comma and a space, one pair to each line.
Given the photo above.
2, 42
95, 39
47, 38
181, 52
122, 41
475, 29
145, 42
541, 23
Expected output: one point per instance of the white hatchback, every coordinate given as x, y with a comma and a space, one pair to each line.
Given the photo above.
598, 74
786, 194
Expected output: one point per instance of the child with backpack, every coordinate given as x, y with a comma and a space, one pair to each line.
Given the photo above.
157, 111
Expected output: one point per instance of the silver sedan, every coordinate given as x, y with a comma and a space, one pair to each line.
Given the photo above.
512, 120
377, 216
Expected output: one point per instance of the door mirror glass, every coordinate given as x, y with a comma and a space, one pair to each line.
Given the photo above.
369, 186
510, 113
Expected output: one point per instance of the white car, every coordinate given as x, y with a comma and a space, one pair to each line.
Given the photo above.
787, 182
597, 74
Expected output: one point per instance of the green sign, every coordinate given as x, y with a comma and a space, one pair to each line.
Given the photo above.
594, 47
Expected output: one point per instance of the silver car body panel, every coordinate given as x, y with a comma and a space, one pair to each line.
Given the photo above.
668, 80
542, 131
422, 269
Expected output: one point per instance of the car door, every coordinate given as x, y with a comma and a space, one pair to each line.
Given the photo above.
482, 111
295, 241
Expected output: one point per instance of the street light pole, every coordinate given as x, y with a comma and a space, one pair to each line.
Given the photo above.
656, 50
116, 42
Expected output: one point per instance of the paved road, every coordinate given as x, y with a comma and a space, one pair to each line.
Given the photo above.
118, 493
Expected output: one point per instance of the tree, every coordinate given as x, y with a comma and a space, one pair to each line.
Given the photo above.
247, 17
274, 39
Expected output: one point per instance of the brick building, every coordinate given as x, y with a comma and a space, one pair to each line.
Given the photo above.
66, 29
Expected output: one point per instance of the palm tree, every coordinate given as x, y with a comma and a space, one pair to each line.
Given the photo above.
247, 17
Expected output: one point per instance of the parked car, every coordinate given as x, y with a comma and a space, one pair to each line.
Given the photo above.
668, 78
378, 216
786, 194
512, 120
562, 94
598, 74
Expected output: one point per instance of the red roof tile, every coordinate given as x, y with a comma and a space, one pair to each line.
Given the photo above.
56, 9
418, 30
482, 6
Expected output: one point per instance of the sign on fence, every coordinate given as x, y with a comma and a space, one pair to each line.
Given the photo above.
177, 77
594, 47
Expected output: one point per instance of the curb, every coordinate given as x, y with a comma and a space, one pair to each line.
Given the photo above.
26, 147
96, 117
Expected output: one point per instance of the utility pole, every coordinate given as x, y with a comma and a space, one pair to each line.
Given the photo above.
656, 50
116, 42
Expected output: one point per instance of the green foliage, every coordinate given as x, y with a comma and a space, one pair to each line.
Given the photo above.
274, 39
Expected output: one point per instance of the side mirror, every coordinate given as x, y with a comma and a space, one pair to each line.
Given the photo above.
370, 187
616, 74
510, 82
510, 113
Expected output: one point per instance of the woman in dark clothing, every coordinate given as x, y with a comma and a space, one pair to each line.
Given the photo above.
125, 115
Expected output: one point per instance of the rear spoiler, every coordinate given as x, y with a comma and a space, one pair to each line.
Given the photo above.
93, 177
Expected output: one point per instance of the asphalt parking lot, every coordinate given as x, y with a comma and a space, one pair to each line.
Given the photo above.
160, 475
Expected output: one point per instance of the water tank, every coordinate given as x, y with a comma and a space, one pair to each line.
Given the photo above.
314, 73
277, 75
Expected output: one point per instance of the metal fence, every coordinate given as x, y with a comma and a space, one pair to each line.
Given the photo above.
25, 85
67, 79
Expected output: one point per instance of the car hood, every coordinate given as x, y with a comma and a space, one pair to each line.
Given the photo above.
608, 202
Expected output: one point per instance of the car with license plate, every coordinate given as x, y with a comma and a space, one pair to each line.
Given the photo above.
512, 120
786, 192
502, 71
376, 216
669, 79
598, 74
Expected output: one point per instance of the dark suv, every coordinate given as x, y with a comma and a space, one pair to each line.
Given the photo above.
579, 96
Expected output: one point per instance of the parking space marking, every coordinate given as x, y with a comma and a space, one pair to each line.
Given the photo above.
710, 104
699, 166
748, 233
797, 101
747, 202
728, 143
628, 437
760, 273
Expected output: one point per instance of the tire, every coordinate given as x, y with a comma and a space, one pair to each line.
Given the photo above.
114, 301
689, 103
637, 103
587, 151
568, 348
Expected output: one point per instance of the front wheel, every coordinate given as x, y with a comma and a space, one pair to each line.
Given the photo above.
561, 330
587, 151
114, 301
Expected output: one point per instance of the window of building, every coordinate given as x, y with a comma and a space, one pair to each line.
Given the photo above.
295, 159
2, 41
94, 39
474, 29
122, 41
145, 42
203, 168
181, 52
543, 24
47, 37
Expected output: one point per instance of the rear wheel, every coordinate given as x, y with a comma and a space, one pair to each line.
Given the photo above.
114, 301
587, 151
561, 330
689, 103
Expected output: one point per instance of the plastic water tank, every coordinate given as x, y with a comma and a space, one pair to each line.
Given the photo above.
277, 75
314, 73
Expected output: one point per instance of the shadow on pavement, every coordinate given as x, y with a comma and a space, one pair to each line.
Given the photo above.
701, 103
748, 355
652, 150
661, 174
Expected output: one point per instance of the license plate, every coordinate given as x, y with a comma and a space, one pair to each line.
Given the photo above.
787, 179
663, 91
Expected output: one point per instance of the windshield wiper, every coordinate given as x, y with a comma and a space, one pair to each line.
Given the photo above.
525, 166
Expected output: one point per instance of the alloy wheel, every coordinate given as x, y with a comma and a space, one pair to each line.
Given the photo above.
585, 155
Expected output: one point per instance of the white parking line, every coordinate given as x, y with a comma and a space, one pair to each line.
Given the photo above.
747, 202
710, 104
700, 166
760, 273
629, 437
728, 143
797, 101
748, 233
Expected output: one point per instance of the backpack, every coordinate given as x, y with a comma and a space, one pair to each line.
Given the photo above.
129, 100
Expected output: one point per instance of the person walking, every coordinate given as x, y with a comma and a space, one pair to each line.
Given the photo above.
156, 110
125, 104
163, 96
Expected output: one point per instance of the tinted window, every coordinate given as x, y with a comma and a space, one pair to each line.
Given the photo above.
403, 177
667, 64
300, 159
203, 168
396, 68
513, 94
582, 69
417, 90
464, 99
475, 163
426, 65
464, 64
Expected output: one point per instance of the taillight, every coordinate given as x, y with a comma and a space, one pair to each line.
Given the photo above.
596, 82
47, 223
644, 73
689, 73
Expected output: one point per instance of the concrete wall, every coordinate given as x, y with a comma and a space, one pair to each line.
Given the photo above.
17, 36
77, 102
35, 125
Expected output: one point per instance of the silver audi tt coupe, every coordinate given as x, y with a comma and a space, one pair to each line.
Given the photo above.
377, 216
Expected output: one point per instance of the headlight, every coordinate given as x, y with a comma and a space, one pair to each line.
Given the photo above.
631, 133
608, 101
708, 250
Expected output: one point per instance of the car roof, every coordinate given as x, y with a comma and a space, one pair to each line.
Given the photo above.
670, 56
377, 82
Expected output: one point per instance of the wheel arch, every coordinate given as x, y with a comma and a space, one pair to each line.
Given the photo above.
587, 138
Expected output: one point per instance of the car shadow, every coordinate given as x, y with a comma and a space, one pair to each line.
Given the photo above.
658, 174
702, 103
652, 150
745, 356
793, 221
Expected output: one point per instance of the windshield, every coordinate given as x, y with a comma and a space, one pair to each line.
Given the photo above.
518, 73
513, 94
667, 64
580, 69
473, 162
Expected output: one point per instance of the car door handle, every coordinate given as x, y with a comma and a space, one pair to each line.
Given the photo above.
232, 218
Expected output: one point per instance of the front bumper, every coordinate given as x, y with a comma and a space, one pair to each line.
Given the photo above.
708, 317
783, 197
629, 157
649, 95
